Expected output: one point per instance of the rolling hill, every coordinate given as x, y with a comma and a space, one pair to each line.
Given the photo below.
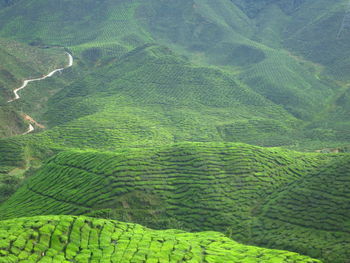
169, 118
220, 41
83, 239
269, 197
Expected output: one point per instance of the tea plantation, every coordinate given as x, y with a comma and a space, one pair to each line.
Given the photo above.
170, 117
84, 239
253, 192
240, 76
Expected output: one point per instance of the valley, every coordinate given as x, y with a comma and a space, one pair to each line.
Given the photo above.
174, 131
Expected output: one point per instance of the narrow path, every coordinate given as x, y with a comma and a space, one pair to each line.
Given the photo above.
30, 129
27, 81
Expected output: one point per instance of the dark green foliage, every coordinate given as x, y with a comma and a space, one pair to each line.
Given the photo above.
11, 122
8, 185
238, 55
12, 153
83, 239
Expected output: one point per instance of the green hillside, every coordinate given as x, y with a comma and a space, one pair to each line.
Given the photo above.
168, 99
261, 84
253, 192
325, 193
165, 100
83, 239
19, 62
170, 117
324, 40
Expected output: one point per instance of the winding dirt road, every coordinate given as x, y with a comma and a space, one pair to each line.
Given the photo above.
27, 81
30, 129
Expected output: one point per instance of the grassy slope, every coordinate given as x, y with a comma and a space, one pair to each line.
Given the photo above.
83, 239
253, 192
19, 61
208, 33
311, 30
165, 100
114, 102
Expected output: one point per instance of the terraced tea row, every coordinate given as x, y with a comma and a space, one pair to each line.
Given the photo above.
176, 176
315, 207
232, 188
246, 81
326, 193
165, 100
83, 239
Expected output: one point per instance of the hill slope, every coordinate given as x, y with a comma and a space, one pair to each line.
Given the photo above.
18, 62
198, 73
244, 191
83, 239
223, 34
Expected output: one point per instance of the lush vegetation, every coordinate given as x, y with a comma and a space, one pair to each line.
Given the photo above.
149, 127
253, 192
245, 85
83, 239
19, 61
